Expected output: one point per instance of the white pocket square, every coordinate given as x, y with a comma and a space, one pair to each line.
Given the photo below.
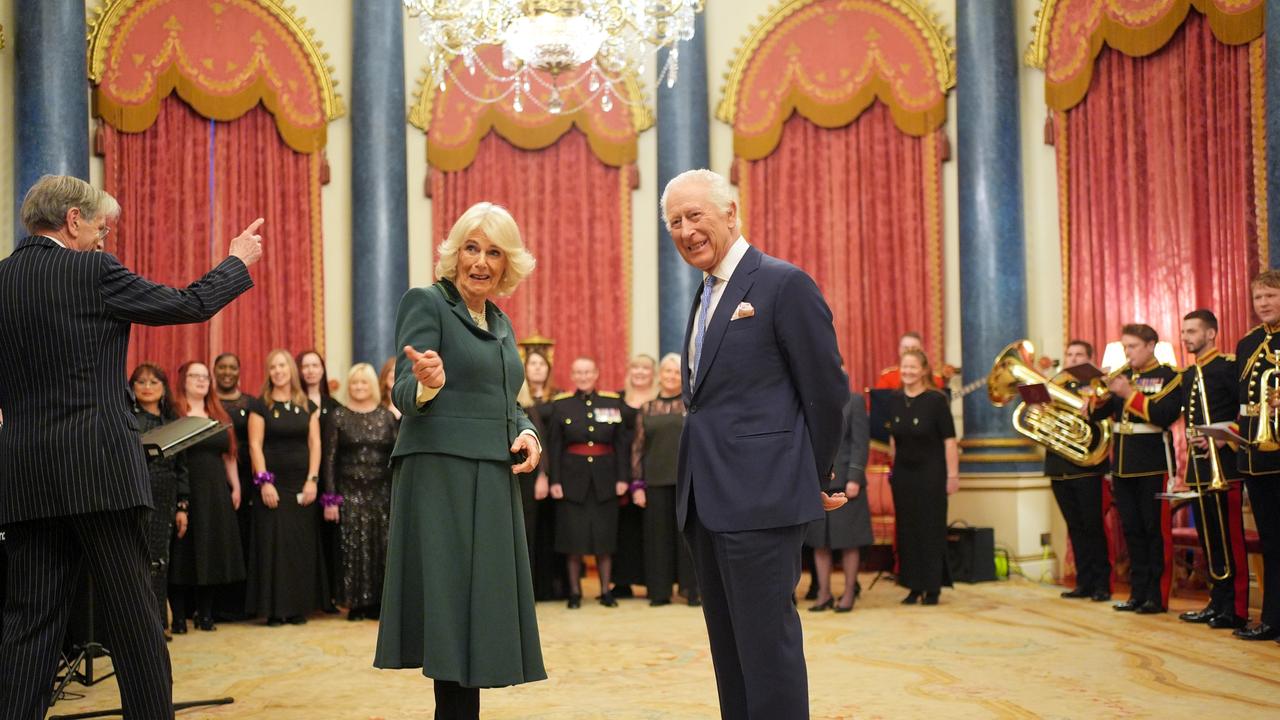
744, 310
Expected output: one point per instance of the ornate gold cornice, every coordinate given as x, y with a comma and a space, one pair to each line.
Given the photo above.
1038, 51
939, 41
107, 16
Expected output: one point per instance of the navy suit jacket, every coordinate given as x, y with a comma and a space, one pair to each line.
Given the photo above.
69, 444
765, 412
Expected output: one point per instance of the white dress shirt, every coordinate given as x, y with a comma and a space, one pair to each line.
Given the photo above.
60, 244
723, 272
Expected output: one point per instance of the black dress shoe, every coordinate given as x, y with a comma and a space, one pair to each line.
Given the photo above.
1079, 592
912, 598
275, 622
1127, 605
659, 602
205, 623
608, 600
1261, 631
296, 619
1100, 596
1150, 607
1199, 616
1228, 620
622, 591
930, 598
355, 614
827, 605
179, 626
575, 602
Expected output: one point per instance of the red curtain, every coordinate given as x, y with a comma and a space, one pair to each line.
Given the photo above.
858, 208
574, 214
1159, 215
188, 185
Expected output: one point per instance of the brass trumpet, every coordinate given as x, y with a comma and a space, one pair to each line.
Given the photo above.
1267, 436
1059, 424
1101, 386
1217, 482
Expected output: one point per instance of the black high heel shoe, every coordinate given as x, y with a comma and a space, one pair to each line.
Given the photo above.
826, 605
849, 607
205, 623
575, 602
912, 598
179, 626
930, 598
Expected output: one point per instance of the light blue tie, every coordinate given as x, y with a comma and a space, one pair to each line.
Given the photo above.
707, 285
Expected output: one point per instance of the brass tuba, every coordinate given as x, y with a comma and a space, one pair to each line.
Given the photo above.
1059, 424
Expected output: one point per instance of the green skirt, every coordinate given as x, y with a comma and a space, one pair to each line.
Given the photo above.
458, 596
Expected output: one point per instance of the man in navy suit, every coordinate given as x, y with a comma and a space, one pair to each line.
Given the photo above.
765, 391
73, 477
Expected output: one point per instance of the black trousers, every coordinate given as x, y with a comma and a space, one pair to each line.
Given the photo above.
666, 558
747, 580
1080, 500
1264, 498
1141, 514
45, 558
1219, 523
455, 702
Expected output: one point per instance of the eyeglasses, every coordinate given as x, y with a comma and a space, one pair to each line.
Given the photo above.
197, 376
103, 232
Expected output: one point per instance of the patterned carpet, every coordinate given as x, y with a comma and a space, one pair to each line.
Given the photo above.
995, 650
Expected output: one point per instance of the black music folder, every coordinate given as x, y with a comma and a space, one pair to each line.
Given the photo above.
1035, 393
172, 438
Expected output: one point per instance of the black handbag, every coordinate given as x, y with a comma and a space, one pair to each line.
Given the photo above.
971, 553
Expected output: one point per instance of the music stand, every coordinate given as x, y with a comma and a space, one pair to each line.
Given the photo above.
165, 441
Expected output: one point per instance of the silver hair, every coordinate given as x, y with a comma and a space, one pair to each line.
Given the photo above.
719, 191
47, 203
669, 358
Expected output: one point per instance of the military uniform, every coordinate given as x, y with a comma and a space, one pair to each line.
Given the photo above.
1261, 469
1219, 515
590, 452
1078, 490
1141, 462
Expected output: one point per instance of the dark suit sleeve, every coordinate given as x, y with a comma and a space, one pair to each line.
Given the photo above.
133, 298
418, 326
805, 333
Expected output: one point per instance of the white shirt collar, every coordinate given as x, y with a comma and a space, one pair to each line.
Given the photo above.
730, 261
60, 243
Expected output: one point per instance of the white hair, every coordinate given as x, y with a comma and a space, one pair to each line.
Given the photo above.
719, 191
670, 358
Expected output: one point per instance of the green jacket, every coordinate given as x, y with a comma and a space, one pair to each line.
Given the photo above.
475, 415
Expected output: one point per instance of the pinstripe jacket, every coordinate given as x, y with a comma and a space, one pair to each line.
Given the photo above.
69, 443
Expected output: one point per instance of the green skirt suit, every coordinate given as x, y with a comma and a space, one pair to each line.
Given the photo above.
458, 595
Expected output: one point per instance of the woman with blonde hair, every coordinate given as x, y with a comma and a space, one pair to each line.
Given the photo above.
356, 475
286, 572
458, 598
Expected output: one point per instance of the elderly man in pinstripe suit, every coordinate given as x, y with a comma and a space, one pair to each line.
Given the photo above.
73, 479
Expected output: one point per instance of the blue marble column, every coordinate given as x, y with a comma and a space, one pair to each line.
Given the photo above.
684, 131
379, 186
1273, 133
51, 94
993, 294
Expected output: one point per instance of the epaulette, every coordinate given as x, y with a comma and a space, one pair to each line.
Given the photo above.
562, 396
610, 395
1259, 326
1229, 357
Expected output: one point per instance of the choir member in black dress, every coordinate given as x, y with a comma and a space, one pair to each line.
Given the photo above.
226, 385
847, 528
209, 555
315, 383
548, 566
654, 451
628, 561
357, 491
926, 469
169, 490
286, 573
590, 468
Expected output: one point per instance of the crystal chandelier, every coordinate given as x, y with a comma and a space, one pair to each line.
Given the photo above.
611, 38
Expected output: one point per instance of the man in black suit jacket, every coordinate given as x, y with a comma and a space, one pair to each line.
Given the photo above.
73, 478
765, 392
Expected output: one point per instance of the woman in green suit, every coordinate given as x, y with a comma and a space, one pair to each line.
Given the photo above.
458, 596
